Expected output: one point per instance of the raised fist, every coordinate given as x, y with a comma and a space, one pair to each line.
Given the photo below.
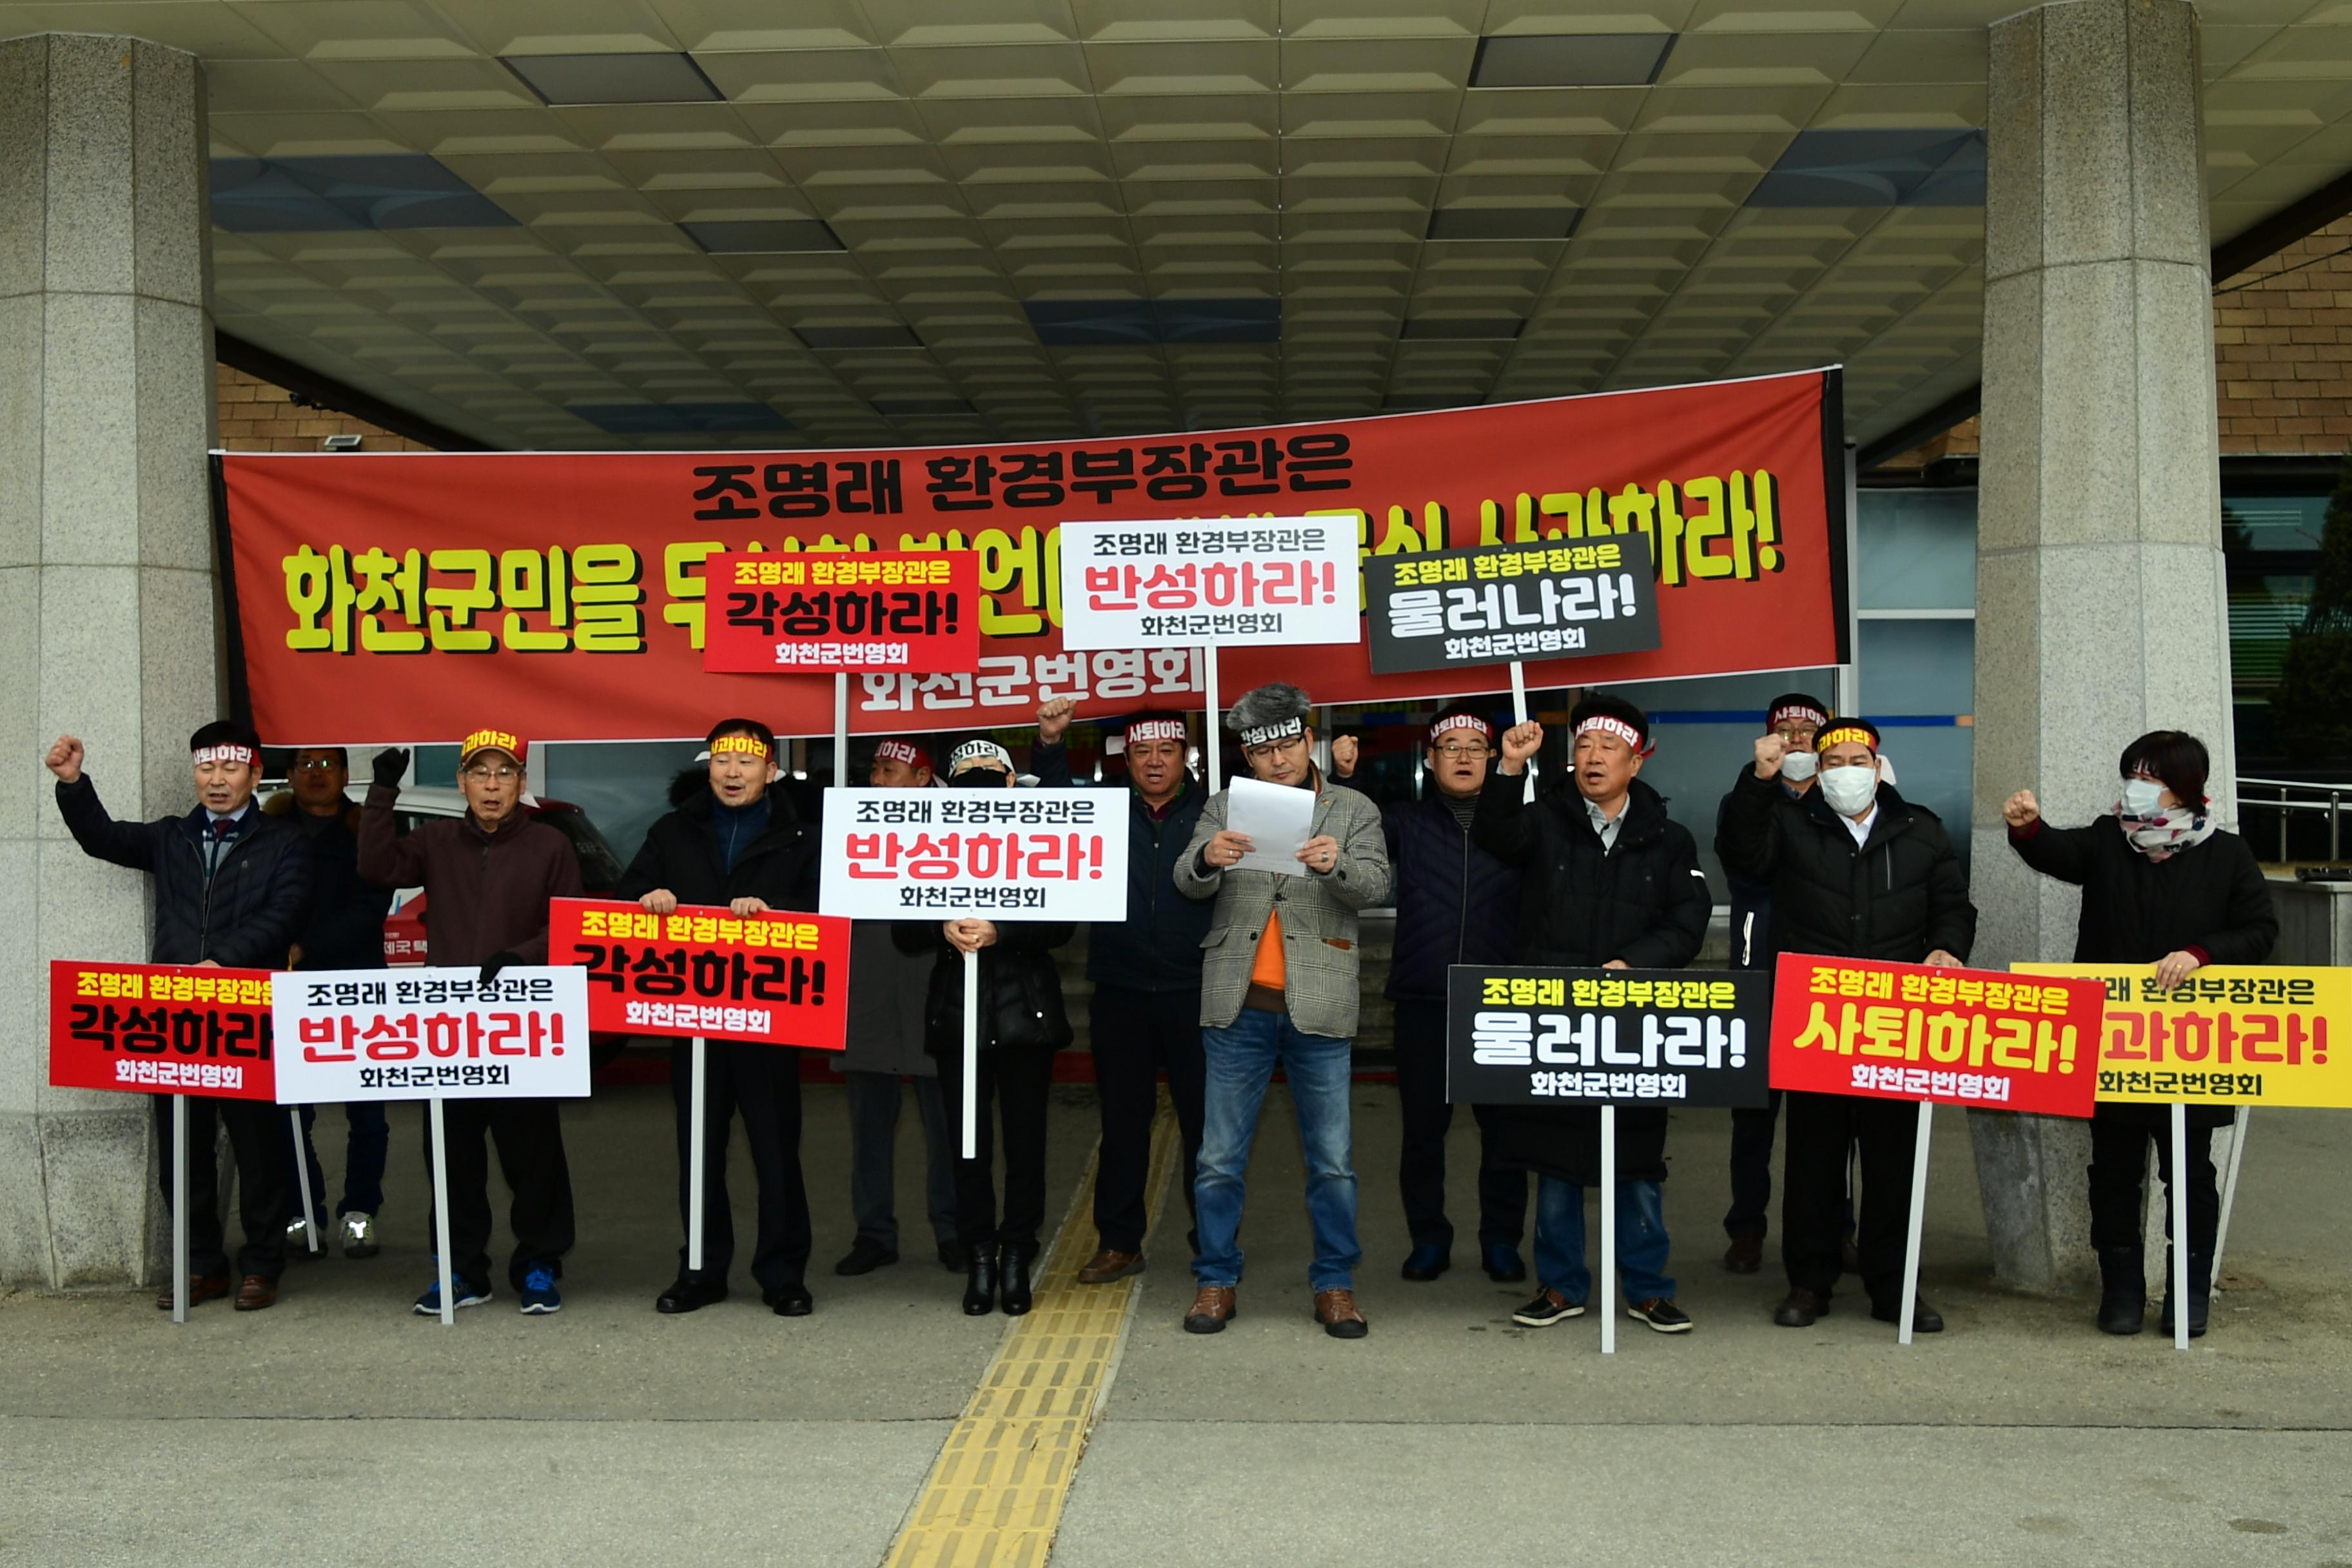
2021, 810
1345, 750
65, 759
1521, 742
390, 764
1053, 719
1769, 750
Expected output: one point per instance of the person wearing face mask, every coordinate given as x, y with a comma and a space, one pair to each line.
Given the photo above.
230, 882
488, 878
1021, 1025
1145, 1012
1280, 986
2161, 886
1796, 718
736, 845
1455, 903
1854, 871
1610, 881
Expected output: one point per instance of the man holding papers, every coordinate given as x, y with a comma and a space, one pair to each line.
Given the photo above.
1289, 859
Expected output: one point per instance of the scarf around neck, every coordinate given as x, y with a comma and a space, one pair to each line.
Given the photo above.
2168, 832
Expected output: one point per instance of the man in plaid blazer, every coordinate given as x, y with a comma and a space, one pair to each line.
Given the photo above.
1278, 986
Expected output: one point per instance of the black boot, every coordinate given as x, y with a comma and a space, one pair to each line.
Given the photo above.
2200, 1295
979, 1291
1015, 1297
2123, 1290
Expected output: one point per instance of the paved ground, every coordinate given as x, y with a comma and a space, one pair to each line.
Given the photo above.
341, 1424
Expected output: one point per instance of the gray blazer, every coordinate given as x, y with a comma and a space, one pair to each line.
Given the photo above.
1319, 946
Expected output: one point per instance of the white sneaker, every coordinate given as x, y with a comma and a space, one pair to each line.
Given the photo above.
359, 1235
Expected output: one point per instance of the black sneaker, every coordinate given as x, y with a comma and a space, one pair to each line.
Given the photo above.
1549, 1307
1924, 1319
866, 1255
1660, 1314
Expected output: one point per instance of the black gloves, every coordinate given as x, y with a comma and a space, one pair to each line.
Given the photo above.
496, 961
390, 764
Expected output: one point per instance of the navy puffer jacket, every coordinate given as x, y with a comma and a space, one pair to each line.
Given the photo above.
1455, 903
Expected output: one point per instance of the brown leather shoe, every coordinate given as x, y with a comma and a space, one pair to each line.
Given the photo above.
1212, 1308
1335, 1311
255, 1292
1107, 1265
1745, 1255
201, 1287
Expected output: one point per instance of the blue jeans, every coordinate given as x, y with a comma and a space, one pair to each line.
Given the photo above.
1239, 1060
1641, 1240
362, 1163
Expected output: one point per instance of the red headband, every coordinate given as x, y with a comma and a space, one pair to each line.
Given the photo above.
906, 751
1454, 721
1156, 730
1619, 727
228, 752
1795, 711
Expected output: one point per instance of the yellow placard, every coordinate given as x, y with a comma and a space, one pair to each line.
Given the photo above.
2229, 1034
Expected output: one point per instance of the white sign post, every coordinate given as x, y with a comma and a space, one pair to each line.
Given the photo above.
302, 1177
1919, 1220
180, 1208
432, 1035
2181, 1226
2229, 1188
1608, 1291
695, 1154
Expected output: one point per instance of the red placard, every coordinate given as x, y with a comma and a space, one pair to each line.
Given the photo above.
1977, 1037
782, 978
161, 1028
794, 612
392, 596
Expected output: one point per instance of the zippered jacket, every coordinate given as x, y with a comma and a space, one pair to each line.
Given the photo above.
1158, 947
1455, 902
239, 912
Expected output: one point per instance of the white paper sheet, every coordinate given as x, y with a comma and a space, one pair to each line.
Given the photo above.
1276, 818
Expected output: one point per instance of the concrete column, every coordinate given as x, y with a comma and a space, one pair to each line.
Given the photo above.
107, 590
2101, 611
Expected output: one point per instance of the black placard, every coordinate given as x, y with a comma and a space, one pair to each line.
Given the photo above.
1492, 604
1517, 1036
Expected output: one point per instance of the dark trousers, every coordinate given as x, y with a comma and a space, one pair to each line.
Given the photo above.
2119, 1139
1751, 1169
1137, 1035
1016, 1081
874, 1100
529, 1137
1814, 1182
763, 1084
1421, 1164
265, 1202
363, 1155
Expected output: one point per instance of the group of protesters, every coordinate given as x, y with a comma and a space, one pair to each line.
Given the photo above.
1222, 972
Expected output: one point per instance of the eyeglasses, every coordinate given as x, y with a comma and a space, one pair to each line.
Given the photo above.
504, 774
1272, 746
318, 766
1469, 750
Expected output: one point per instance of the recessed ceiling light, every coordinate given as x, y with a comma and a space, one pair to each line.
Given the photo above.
1462, 327
346, 191
860, 335
1078, 323
1570, 59
1503, 223
579, 79
1876, 168
763, 236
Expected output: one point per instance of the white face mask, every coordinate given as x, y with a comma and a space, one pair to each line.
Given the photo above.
1849, 790
2142, 798
1798, 766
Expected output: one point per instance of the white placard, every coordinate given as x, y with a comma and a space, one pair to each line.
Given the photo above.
407, 1034
1212, 582
1276, 818
994, 854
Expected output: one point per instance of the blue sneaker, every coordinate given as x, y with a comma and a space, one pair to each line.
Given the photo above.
1501, 1261
468, 1295
539, 1294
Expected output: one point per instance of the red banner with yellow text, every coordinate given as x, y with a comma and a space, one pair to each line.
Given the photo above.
395, 596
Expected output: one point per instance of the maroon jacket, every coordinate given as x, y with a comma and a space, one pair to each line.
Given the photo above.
485, 892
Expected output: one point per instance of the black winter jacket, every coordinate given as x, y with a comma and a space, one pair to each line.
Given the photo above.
1158, 947
240, 917
342, 924
1751, 900
1645, 901
681, 852
1898, 897
2211, 900
1455, 903
1021, 989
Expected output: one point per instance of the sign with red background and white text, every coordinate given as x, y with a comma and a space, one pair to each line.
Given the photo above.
992, 854
1976, 1037
161, 1028
782, 978
414, 1034
791, 613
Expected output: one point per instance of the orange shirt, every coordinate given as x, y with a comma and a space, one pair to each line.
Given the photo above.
1266, 968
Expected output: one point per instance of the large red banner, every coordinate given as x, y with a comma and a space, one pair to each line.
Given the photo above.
396, 596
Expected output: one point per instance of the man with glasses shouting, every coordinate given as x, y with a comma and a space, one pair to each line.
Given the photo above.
488, 878
1278, 986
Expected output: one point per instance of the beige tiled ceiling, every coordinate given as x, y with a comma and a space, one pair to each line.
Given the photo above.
975, 155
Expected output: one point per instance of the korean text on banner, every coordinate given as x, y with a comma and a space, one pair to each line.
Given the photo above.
164, 1029
778, 977
1236, 582
1605, 1037
785, 614
1910, 1031
408, 1034
1012, 854
1503, 601
361, 588
2229, 1034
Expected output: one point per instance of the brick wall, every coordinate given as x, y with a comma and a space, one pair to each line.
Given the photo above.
257, 415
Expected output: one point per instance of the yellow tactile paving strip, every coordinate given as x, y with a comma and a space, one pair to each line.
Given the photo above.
994, 1497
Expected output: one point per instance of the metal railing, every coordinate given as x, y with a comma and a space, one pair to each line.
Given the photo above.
2288, 797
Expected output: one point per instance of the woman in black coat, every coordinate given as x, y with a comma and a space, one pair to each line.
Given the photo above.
1021, 1025
2160, 886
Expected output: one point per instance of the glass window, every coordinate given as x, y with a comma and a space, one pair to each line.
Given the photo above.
1916, 666
1917, 549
